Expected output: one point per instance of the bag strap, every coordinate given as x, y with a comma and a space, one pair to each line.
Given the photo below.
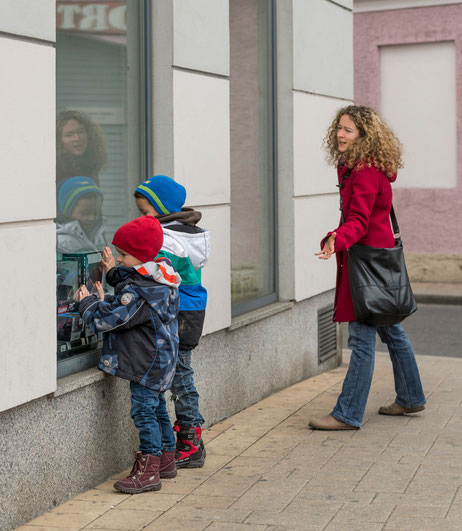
394, 221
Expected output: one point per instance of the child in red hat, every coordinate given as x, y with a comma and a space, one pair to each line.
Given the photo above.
140, 325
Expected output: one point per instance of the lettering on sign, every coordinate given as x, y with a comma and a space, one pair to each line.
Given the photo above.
92, 17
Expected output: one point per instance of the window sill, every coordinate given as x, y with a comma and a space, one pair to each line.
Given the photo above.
70, 383
258, 315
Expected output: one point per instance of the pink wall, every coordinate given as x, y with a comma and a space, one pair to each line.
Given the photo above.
429, 218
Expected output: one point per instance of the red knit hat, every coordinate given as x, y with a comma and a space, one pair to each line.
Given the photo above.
141, 237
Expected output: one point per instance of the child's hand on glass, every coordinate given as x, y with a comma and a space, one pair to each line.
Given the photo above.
81, 293
99, 289
107, 259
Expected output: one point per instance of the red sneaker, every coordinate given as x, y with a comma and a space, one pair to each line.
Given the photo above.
190, 449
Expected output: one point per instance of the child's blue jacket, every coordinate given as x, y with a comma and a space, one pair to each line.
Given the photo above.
140, 324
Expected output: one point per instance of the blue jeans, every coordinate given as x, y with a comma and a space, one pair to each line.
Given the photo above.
361, 340
149, 413
184, 393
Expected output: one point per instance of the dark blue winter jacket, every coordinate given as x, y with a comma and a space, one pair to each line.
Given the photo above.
140, 324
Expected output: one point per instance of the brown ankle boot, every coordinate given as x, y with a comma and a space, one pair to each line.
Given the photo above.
167, 465
143, 477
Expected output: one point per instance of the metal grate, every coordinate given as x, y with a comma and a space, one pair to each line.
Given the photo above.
327, 335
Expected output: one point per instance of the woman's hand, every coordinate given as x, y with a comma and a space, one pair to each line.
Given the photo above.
107, 259
81, 293
329, 248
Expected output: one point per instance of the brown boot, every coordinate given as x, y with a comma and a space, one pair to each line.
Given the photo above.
143, 477
167, 465
330, 423
395, 409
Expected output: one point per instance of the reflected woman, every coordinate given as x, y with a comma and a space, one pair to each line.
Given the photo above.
80, 147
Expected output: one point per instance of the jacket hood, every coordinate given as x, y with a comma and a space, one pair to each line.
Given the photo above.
161, 271
188, 216
195, 245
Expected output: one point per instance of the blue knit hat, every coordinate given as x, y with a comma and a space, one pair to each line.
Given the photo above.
164, 194
72, 190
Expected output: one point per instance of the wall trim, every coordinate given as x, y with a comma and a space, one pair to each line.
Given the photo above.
363, 6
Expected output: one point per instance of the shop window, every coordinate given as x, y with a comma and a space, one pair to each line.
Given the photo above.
253, 268
101, 153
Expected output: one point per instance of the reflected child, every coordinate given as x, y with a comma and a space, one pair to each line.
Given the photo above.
79, 225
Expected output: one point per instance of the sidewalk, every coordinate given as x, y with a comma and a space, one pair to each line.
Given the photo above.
437, 293
265, 470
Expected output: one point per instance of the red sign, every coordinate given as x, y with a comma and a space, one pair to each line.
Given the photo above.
92, 17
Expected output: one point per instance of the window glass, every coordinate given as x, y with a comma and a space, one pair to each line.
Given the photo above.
252, 178
98, 151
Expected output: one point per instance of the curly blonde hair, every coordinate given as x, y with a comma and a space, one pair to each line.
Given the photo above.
376, 146
95, 157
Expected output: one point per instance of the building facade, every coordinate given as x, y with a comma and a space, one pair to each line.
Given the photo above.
230, 98
408, 64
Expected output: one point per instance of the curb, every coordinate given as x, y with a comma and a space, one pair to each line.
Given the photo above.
438, 298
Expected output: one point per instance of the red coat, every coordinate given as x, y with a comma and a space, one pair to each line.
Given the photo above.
367, 199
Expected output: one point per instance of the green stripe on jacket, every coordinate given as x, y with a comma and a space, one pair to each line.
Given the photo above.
189, 276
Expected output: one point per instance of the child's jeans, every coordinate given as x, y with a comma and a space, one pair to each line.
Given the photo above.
149, 413
184, 393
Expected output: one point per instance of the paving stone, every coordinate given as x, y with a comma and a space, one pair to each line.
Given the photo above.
227, 526
167, 523
420, 511
455, 513
218, 502
125, 520
181, 485
155, 500
182, 512
362, 512
432, 497
59, 519
383, 477
423, 485
306, 512
354, 526
303, 526
112, 497
40, 528
420, 524
334, 493
229, 443
233, 486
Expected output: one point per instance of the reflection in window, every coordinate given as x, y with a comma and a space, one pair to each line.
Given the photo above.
98, 151
252, 181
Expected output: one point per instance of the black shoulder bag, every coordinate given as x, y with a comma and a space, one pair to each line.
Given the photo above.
379, 282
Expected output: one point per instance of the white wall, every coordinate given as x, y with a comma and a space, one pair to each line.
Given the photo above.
323, 48
28, 18
27, 202
201, 35
201, 130
322, 83
421, 108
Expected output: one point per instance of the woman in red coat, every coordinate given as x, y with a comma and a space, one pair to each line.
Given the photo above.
367, 155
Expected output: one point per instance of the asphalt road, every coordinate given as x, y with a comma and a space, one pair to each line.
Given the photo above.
434, 330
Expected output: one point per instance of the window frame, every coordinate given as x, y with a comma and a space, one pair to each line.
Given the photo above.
89, 359
240, 308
